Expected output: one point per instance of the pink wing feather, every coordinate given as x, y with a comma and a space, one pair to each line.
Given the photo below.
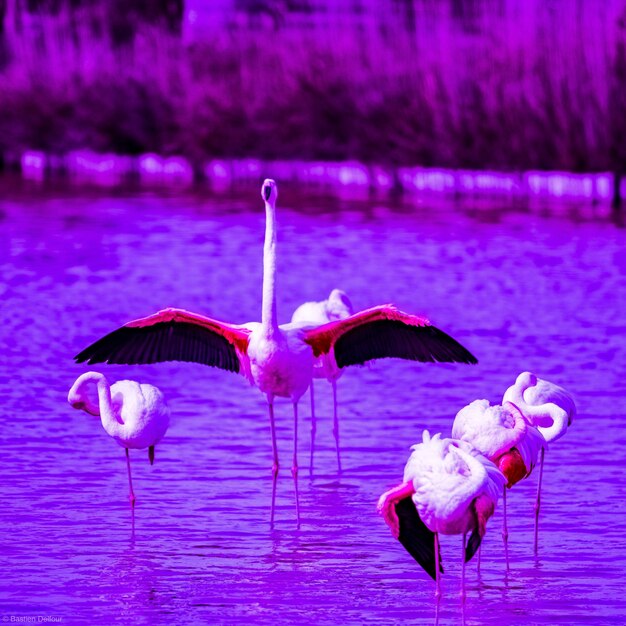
173, 335
385, 331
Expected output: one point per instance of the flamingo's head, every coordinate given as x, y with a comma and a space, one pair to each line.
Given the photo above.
269, 191
84, 394
526, 380
338, 306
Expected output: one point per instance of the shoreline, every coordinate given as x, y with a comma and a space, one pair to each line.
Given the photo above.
349, 178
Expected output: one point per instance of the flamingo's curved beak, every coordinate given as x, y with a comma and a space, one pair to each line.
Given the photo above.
151, 454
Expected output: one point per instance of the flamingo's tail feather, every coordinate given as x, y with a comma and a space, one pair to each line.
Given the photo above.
472, 545
416, 538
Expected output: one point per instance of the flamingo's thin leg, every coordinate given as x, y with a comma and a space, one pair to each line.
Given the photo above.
505, 530
336, 424
130, 480
463, 568
538, 501
437, 576
478, 567
313, 427
270, 404
294, 466
273, 507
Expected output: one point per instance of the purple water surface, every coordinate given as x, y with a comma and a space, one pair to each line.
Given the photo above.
522, 291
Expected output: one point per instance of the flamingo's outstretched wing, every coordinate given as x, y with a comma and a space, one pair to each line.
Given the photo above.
416, 538
172, 335
385, 331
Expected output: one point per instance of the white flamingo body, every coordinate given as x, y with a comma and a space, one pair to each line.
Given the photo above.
495, 430
454, 488
336, 307
283, 365
448, 476
550, 408
135, 415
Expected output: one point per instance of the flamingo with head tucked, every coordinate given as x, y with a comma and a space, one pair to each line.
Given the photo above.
448, 488
134, 414
336, 307
548, 407
504, 436
277, 359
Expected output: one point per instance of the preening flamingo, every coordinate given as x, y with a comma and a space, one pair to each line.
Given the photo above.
336, 307
548, 407
134, 414
277, 359
504, 436
448, 488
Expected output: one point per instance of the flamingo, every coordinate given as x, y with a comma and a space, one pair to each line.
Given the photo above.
336, 307
503, 435
134, 414
448, 488
277, 359
550, 408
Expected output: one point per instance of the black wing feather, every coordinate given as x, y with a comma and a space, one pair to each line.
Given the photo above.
473, 544
163, 341
391, 338
416, 538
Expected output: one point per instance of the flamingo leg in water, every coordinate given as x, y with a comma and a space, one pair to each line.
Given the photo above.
437, 574
270, 404
505, 530
538, 501
294, 463
273, 507
463, 568
130, 480
294, 466
336, 424
313, 427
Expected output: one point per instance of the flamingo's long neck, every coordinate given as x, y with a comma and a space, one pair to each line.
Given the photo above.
269, 317
109, 421
559, 416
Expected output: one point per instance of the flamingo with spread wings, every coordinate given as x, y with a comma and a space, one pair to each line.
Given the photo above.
277, 359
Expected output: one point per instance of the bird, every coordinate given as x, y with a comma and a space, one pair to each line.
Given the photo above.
504, 436
134, 414
449, 487
548, 407
336, 307
277, 359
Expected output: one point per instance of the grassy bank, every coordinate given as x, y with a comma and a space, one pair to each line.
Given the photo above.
514, 84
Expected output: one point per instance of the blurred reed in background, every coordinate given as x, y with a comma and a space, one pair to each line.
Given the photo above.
502, 84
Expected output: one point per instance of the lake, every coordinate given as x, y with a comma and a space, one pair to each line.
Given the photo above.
523, 290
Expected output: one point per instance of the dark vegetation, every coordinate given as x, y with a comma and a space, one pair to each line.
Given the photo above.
505, 84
